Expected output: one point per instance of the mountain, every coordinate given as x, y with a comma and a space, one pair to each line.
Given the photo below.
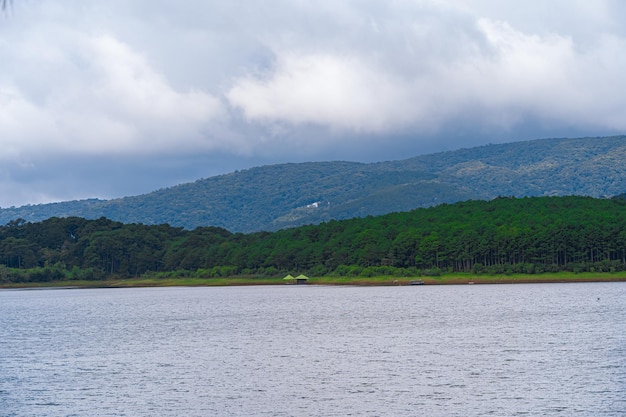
286, 195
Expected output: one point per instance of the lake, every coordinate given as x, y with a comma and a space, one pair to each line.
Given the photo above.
472, 350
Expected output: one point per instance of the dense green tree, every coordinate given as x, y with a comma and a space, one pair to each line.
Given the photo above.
505, 235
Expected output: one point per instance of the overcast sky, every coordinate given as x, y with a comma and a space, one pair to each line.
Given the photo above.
122, 97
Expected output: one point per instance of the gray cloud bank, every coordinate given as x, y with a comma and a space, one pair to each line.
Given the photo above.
120, 97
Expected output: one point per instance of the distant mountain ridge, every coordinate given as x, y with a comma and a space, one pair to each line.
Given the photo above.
286, 195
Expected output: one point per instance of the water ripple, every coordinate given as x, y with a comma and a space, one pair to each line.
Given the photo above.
506, 350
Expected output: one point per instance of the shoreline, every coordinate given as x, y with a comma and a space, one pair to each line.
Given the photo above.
453, 279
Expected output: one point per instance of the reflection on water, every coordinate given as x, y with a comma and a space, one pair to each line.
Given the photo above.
502, 350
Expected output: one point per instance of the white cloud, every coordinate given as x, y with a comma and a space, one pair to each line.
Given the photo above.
95, 94
340, 92
303, 80
483, 67
137, 108
133, 76
549, 77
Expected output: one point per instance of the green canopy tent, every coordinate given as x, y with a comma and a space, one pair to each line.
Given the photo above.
300, 279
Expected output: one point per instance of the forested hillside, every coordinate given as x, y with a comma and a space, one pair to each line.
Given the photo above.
505, 235
280, 196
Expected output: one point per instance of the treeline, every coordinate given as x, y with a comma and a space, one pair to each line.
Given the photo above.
505, 235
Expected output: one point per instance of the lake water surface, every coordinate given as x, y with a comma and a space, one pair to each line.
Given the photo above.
474, 350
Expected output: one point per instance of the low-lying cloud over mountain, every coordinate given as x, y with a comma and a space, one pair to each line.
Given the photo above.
105, 99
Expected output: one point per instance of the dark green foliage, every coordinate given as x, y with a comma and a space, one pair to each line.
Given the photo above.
503, 236
280, 196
